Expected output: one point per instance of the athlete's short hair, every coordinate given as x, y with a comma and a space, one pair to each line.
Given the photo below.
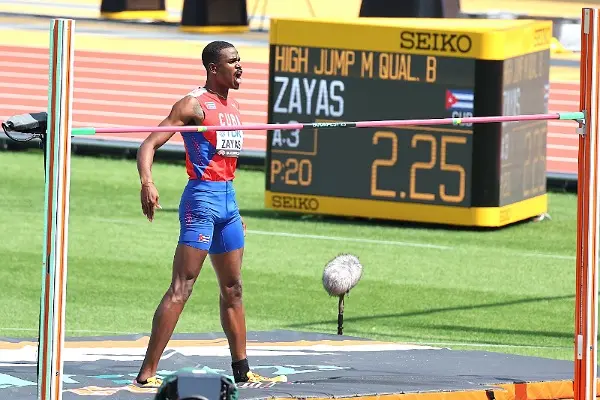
212, 51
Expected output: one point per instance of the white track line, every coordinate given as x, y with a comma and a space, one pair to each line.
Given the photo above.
115, 103
349, 239
564, 136
122, 82
562, 147
304, 236
509, 346
346, 239
193, 62
165, 107
121, 93
123, 73
71, 330
566, 92
145, 117
239, 95
572, 160
387, 242
555, 102
78, 123
574, 83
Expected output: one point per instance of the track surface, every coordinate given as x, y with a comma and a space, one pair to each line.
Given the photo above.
121, 89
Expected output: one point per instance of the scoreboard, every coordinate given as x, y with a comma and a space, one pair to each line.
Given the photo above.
373, 69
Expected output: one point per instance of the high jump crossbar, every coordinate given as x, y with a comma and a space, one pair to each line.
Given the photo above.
57, 192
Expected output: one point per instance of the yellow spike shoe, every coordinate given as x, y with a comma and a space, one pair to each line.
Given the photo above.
256, 378
152, 382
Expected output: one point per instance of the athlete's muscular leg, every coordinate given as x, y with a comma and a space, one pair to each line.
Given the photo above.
187, 264
228, 270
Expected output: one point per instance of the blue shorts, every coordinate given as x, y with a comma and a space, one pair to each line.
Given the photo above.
209, 217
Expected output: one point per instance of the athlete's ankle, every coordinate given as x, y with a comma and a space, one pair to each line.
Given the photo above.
143, 376
240, 370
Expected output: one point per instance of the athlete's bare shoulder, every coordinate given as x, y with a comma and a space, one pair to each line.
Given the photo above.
187, 110
194, 103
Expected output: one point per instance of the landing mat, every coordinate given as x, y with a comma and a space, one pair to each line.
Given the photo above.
316, 366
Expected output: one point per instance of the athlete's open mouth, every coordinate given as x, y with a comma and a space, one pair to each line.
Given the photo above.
238, 76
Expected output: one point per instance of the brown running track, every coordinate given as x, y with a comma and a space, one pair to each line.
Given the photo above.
114, 89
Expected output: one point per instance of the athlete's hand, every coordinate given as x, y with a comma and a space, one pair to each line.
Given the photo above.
149, 198
244, 226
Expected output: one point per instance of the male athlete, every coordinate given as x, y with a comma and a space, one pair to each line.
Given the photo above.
210, 222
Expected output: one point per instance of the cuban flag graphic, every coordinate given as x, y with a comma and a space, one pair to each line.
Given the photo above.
459, 100
203, 238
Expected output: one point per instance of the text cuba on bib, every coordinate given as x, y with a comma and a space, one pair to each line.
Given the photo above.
229, 143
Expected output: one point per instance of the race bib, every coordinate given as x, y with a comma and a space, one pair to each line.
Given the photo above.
229, 143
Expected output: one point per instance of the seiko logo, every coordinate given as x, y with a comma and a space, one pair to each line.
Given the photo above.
542, 36
444, 42
296, 203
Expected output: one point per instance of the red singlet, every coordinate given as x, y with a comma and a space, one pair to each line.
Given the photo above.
212, 155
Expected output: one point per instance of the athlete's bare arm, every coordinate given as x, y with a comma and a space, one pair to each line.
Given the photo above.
185, 111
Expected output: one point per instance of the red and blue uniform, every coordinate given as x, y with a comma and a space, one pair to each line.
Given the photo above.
209, 216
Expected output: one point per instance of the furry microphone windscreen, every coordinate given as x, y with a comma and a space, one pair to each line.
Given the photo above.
341, 274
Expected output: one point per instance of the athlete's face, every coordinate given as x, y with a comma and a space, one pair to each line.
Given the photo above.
228, 71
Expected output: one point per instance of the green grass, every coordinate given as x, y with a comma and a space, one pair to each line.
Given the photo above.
510, 287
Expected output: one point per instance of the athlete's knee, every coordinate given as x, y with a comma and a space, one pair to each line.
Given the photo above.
186, 269
180, 290
182, 286
231, 292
